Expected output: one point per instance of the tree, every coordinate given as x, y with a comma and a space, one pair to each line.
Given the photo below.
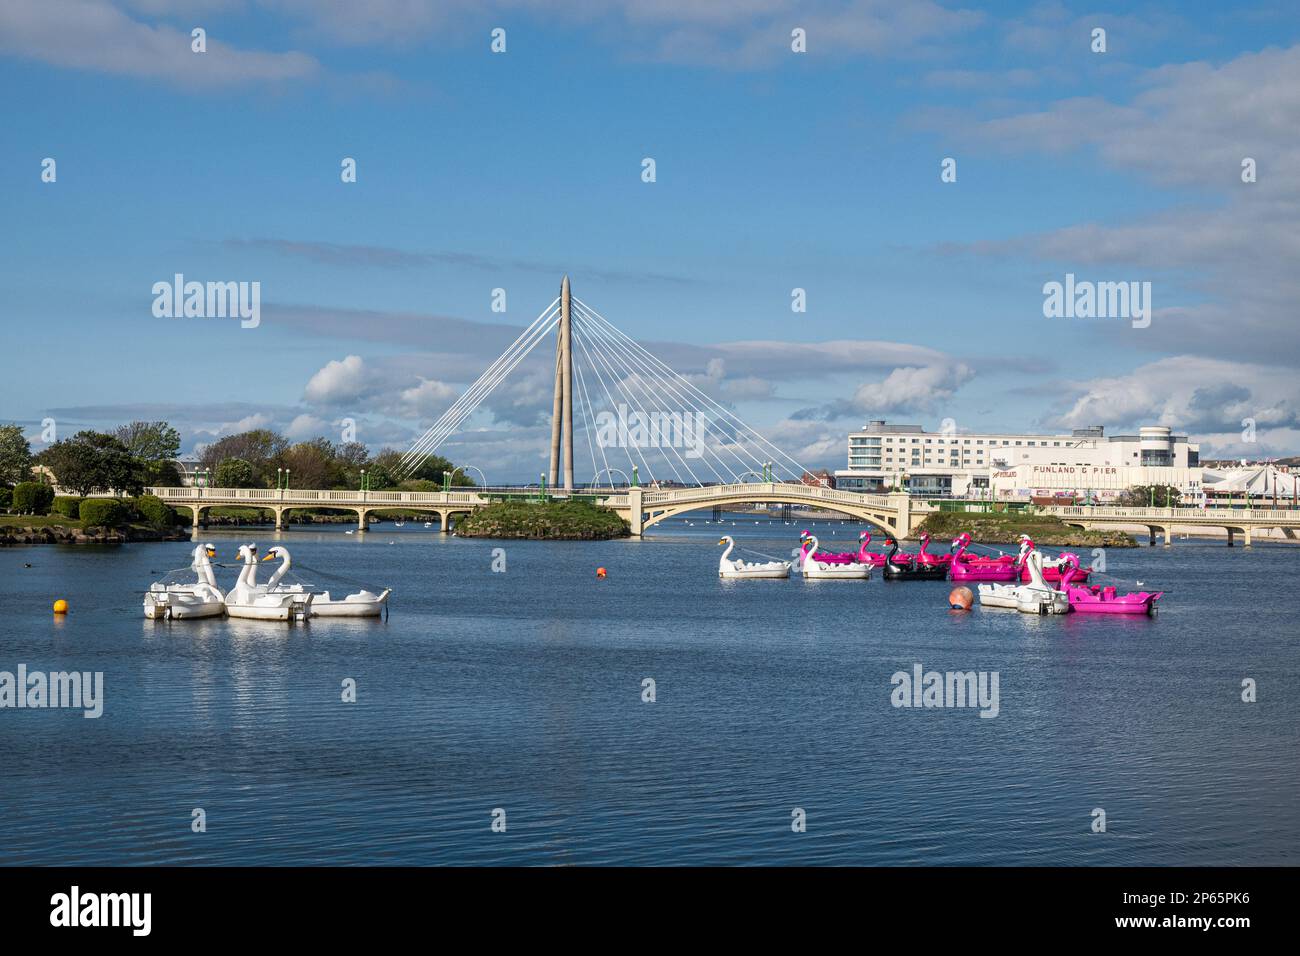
150, 441
15, 456
234, 473
312, 464
92, 461
1143, 496
259, 447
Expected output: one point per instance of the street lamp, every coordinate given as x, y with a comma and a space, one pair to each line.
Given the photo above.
286, 479
363, 480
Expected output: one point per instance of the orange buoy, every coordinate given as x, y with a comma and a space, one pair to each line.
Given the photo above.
60, 606
600, 572
961, 599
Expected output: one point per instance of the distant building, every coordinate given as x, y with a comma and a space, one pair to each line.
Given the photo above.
1084, 465
820, 478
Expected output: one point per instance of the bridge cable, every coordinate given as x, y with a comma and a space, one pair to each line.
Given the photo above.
651, 385
730, 441
483, 386
582, 343
632, 380
664, 385
658, 362
668, 385
476, 393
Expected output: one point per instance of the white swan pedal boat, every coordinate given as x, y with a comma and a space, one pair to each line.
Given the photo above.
743, 569
363, 603
178, 601
248, 599
812, 568
1037, 597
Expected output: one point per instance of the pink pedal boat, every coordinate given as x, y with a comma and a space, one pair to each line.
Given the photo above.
968, 567
1094, 599
925, 557
1052, 567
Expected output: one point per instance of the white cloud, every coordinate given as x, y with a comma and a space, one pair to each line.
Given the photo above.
96, 35
1203, 396
337, 382
429, 399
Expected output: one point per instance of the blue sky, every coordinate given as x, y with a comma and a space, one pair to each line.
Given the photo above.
775, 170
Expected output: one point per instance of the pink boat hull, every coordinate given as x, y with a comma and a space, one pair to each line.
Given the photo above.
1096, 600
964, 571
1053, 575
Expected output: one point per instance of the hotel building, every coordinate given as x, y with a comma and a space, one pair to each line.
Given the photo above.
1084, 464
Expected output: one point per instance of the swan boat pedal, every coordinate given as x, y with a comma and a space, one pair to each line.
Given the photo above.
903, 567
819, 570
1037, 597
743, 569
248, 599
180, 601
361, 604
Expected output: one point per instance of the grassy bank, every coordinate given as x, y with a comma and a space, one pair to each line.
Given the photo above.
1046, 530
552, 520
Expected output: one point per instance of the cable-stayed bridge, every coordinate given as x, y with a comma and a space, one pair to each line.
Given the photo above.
640, 419
676, 448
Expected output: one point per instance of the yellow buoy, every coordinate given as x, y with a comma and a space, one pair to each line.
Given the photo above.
60, 606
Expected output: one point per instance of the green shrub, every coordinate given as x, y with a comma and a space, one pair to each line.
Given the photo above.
67, 506
154, 512
102, 513
32, 498
6, 497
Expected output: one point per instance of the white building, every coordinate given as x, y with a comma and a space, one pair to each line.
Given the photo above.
1084, 465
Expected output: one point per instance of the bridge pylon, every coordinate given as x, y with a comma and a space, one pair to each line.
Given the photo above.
562, 406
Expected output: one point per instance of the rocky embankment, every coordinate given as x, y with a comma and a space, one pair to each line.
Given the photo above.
58, 534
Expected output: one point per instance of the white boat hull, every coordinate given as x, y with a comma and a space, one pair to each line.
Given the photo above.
836, 572
756, 571
178, 605
364, 604
271, 607
998, 595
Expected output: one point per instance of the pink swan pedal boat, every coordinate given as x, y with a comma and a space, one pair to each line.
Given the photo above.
925, 557
1094, 599
967, 567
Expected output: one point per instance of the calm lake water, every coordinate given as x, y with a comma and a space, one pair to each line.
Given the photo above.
522, 690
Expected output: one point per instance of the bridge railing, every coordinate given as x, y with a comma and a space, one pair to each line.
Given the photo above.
1176, 514
810, 493
255, 496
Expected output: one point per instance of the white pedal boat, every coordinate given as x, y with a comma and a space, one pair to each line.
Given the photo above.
1036, 597
181, 601
820, 570
361, 604
743, 569
248, 599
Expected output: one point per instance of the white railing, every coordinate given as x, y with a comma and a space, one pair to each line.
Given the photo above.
814, 494
1214, 515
